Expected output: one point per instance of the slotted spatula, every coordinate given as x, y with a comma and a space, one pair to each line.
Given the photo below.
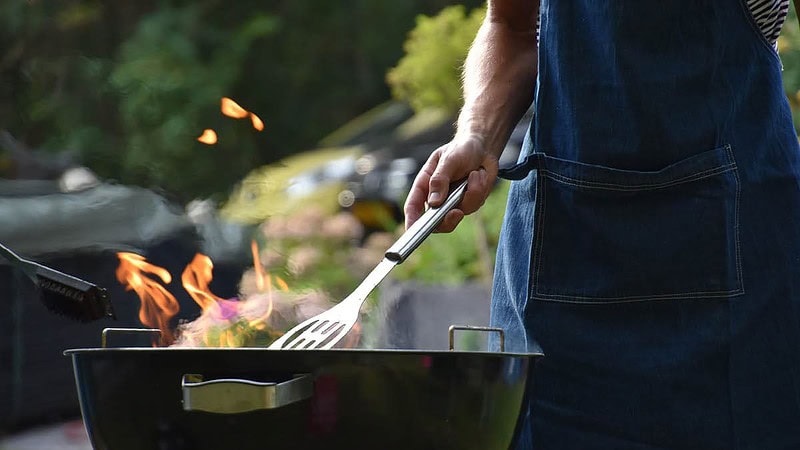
324, 330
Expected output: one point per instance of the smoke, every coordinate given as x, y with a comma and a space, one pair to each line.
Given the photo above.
253, 321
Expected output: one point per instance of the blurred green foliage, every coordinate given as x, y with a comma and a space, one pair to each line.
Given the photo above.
429, 74
128, 85
170, 76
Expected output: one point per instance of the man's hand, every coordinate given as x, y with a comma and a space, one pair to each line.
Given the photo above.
456, 160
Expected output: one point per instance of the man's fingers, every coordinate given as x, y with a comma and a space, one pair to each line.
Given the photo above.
451, 221
418, 195
415, 202
477, 189
448, 164
446, 172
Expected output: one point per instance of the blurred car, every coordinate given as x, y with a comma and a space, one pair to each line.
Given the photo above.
316, 176
382, 177
279, 189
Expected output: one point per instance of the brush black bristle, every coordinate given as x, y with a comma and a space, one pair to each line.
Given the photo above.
73, 297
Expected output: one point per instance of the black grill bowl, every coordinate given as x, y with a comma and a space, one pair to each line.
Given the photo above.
132, 399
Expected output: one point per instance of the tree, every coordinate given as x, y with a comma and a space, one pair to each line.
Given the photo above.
429, 74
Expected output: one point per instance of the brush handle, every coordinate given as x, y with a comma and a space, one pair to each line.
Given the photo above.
424, 226
36, 271
27, 267
61, 284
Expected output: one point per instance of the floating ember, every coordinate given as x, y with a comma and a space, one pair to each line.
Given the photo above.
232, 109
209, 137
257, 123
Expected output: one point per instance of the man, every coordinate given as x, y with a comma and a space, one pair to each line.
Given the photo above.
651, 246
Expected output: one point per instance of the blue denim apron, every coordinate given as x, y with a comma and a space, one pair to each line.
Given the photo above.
651, 246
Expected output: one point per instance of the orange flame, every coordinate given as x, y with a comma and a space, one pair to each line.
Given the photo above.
158, 305
232, 109
281, 284
209, 137
261, 281
196, 277
257, 265
257, 123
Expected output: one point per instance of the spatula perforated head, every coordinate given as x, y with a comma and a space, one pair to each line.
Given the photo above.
320, 332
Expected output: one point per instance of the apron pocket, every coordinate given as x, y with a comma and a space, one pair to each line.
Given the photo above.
606, 235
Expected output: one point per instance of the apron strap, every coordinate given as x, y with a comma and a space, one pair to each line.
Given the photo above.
521, 169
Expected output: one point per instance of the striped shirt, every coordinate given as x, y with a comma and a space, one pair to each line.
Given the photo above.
769, 15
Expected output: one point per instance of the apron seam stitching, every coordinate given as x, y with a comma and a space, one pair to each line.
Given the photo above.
616, 300
737, 219
638, 187
539, 237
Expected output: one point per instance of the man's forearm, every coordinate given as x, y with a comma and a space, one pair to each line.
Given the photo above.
500, 72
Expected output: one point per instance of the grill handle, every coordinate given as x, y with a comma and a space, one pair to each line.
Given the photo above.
233, 396
452, 332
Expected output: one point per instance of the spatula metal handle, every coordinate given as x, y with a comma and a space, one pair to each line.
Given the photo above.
424, 226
